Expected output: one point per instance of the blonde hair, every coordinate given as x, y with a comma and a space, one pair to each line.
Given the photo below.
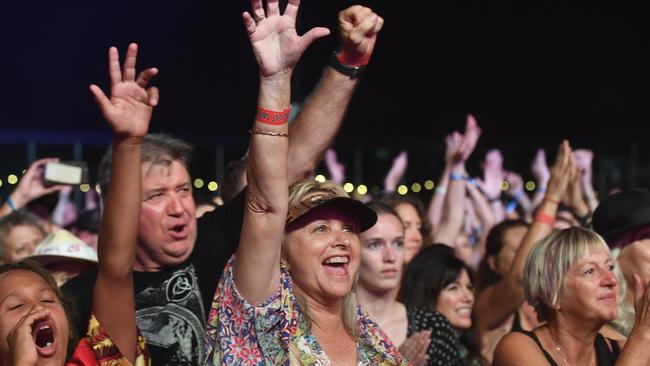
297, 192
549, 261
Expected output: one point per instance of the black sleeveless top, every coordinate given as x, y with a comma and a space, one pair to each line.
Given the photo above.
516, 323
604, 356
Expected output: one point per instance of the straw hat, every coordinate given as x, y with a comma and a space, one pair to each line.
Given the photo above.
62, 245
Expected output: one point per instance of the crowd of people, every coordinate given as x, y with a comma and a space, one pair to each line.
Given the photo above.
288, 270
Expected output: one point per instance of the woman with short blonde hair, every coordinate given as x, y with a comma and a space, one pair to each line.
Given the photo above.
569, 279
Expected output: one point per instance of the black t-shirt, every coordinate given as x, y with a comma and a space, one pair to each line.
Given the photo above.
172, 305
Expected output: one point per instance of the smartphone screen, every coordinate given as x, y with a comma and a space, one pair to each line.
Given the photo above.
65, 173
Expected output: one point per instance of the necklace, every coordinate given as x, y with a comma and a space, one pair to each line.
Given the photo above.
560, 351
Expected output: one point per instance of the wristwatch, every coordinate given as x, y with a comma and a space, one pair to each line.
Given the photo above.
351, 71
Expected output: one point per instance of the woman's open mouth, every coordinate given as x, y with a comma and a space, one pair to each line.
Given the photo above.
336, 266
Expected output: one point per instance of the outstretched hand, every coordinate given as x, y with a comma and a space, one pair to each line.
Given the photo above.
276, 44
515, 182
336, 168
128, 111
471, 136
394, 175
358, 28
453, 152
583, 159
560, 172
539, 168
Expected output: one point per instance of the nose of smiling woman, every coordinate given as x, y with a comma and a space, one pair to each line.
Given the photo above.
342, 239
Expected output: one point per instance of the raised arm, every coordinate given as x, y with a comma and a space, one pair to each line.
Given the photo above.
434, 212
575, 198
516, 189
277, 47
583, 159
128, 112
540, 171
396, 172
499, 301
451, 219
472, 134
65, 211
29, 188
335, 167
484, 214
452, 214
493, 176
322, 113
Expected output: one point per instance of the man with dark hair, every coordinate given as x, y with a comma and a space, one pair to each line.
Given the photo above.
179, 260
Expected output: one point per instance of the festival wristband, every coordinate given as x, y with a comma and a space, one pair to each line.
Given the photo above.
455, 176
353, 60
545, 219
274, 118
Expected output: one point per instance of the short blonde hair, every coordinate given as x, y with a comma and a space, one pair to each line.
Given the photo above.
549, 261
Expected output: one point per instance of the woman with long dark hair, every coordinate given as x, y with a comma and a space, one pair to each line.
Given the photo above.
438, 294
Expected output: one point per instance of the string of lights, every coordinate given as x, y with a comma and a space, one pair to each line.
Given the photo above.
361, 189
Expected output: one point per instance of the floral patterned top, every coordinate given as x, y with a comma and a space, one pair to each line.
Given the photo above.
277, 333
98, 349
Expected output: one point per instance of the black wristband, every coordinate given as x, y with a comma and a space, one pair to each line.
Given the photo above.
352, 71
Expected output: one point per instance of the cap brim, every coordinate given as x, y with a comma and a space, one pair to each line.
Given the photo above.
46, 259
367, 216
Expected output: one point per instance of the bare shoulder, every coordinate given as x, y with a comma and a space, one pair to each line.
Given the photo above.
517, 349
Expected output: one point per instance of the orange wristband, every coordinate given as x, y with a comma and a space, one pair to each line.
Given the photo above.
353, 60
270, 117
545, 219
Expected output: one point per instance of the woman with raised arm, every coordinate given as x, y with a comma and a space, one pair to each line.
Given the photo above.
569, 279
286, 297
34, 325
500, 303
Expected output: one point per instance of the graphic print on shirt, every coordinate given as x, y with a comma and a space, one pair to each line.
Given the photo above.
170, 317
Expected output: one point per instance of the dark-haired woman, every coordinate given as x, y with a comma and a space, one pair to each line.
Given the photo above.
438, 294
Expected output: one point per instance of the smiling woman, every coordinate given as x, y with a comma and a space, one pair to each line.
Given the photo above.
438, 294
286, 296
569, 279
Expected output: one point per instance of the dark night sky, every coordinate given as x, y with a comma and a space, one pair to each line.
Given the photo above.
532, 72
